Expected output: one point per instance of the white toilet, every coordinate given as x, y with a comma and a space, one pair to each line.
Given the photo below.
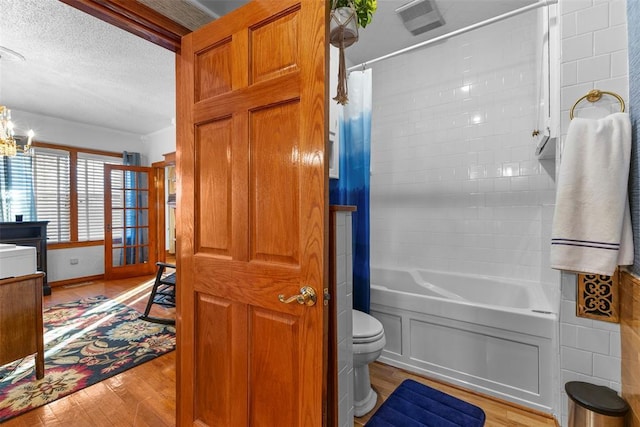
368, 342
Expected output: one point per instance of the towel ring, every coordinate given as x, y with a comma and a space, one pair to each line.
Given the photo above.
594, 95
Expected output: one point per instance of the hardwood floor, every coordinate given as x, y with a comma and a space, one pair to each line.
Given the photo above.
385, 379
145, 395
142, 396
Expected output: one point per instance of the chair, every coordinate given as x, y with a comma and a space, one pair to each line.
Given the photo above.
163, 293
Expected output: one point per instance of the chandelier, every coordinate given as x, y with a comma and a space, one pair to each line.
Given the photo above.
9, 143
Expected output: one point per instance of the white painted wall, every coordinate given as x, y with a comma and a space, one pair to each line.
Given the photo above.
65, 132
594, 55
159, 143
455, 183
90, 262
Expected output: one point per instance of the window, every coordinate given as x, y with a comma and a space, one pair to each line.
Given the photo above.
52, 190
16, 188
91, 195
59, 184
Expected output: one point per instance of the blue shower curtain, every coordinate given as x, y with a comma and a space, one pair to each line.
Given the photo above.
353, 186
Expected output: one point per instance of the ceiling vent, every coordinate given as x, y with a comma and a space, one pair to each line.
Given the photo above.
420, 16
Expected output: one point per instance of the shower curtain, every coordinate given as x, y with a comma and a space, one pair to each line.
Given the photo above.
352, 188
633, 17
132, 201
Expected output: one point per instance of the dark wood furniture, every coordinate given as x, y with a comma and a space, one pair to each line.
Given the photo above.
21, 327
29, 233
163, 293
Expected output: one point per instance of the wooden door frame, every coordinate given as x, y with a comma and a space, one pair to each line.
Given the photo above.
159, 169
135, 18
159, 189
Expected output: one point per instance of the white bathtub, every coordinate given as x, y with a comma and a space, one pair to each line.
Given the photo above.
487, 334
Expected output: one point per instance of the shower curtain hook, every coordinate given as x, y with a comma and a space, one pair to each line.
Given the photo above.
364, 64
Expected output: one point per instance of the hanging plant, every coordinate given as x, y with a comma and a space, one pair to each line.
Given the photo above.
346, 17
364, 9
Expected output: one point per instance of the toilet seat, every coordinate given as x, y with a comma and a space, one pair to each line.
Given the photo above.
366, 328
365, 340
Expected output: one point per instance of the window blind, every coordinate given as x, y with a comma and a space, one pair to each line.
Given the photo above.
39, 188
90, 188
52, 191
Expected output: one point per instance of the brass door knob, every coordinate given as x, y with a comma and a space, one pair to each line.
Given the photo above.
307, 296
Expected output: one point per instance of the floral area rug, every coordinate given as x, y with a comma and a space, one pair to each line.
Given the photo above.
85, 342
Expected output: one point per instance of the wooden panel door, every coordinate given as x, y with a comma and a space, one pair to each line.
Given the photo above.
130, 221
252, 217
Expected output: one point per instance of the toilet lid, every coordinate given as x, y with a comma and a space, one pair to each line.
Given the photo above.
365, 327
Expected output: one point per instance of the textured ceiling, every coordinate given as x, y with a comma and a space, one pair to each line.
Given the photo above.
82, 69
189, 13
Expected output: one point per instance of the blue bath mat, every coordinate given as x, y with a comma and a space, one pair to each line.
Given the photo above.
416, 405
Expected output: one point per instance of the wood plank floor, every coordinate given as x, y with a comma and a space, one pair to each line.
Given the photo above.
385, 379
145, 395
142, 396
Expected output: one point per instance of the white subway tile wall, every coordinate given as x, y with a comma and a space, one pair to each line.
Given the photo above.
344, 301
455, 184
594, 55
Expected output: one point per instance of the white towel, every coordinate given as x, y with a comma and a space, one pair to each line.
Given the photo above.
591, 224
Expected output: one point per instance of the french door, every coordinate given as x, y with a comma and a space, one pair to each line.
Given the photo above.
130, 221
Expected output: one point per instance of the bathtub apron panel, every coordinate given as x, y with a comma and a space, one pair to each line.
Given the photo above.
503, 351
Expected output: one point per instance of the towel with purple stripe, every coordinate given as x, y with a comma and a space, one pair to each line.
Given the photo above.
591, 230
416, 405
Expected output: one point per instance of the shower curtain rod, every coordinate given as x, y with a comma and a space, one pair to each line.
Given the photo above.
480, 24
